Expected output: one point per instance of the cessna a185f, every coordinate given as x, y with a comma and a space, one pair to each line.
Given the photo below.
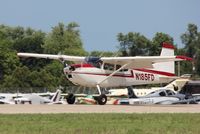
116, 71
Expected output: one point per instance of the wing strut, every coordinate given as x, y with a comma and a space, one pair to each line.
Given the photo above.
99, 90
113, 73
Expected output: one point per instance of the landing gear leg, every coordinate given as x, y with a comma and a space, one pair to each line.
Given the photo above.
102, 99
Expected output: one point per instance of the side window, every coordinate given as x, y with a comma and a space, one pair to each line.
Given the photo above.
162, 94
118, 66
169, 92
122, 70
97, 64
108, 66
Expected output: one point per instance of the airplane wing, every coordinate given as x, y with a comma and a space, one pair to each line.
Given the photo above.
55, 57
142, 61
130, 62
192, 100
6, 102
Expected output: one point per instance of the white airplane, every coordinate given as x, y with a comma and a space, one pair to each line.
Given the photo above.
36, 99
176, 85
7, 98
117, 71
161, 96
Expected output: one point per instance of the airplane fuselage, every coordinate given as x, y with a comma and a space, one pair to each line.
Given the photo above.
91, 76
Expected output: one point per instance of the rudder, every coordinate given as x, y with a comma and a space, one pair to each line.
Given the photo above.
168, 67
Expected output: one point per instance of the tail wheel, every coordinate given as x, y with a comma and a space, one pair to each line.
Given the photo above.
102, 99
71, 98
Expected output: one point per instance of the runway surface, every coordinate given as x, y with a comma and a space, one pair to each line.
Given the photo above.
31, 109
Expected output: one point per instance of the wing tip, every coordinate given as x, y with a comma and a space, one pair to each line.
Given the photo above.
184, 58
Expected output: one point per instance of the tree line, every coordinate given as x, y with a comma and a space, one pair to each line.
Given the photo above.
30, 73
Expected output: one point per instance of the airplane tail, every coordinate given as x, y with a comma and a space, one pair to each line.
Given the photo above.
166, 68
131, 93
177, 84
56, 96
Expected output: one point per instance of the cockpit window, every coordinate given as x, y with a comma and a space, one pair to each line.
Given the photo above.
169, 92
162, 93
2, 97
94, 61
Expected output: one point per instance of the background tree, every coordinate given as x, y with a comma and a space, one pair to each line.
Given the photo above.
65, 40
102, 54
157, 40
18, 79
8, 58
56, 70
48, 74
191, 39
133, 44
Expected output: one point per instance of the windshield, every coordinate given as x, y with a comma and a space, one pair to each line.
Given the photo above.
94, 61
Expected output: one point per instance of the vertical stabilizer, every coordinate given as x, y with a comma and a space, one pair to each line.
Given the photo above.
131, 93
177, 84
56, 96
168, 67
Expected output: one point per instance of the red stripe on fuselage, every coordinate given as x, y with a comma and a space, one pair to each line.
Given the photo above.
120, 75
82, 65
156, 72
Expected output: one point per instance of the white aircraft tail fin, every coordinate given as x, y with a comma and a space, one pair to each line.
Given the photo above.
56, 96
168, 68
131, 93
177, 84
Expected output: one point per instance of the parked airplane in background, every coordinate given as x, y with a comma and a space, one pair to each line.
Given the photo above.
7, 98
161, 96
36, 99
117, 71
176, 85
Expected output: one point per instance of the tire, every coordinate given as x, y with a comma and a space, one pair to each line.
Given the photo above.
102, 99
71, 98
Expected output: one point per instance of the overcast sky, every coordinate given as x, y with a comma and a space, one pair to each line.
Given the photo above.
100, 21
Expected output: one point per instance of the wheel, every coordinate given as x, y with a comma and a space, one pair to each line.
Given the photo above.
102, 99
71, 98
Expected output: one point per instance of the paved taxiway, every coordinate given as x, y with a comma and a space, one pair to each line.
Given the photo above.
15, 109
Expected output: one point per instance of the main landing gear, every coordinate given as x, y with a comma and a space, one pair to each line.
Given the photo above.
102, 99
71, 98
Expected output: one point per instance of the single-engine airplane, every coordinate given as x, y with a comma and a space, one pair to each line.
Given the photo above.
116, 71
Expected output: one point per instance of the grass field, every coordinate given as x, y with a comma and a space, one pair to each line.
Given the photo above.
100, 123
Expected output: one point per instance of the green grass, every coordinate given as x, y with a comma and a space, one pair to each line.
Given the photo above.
100, 123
